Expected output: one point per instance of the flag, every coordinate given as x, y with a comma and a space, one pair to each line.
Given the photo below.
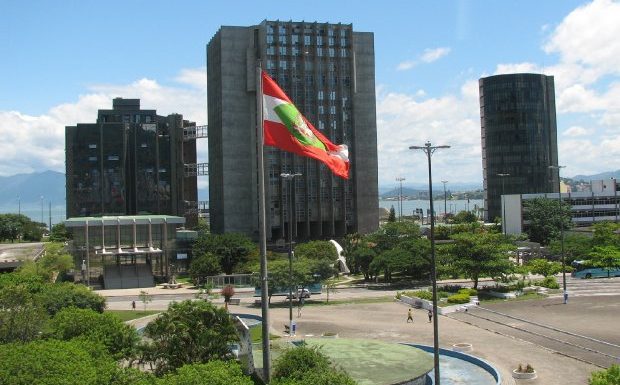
287, 129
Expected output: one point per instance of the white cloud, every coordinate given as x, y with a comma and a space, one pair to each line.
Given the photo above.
36, 143
428, 56
431, 55
403, 120
516, 68
406, 65
576, 131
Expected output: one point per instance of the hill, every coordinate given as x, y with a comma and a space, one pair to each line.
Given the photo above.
602, 175
29, 188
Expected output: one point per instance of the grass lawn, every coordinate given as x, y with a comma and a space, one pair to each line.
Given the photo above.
524, 297
127, 315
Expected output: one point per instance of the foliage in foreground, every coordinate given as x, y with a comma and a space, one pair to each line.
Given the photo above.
305, 365
610, 376
188, 332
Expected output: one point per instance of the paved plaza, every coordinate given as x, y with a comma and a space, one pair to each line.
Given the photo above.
592, 316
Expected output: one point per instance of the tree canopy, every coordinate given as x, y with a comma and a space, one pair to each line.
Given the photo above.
606, 257
305, 365
231, 249
188, 332
546, 218
484, 254
118, 338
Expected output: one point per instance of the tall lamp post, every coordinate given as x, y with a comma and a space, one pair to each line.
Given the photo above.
400, 198
429, 150
289, 179
445, 212
502, 176
561, 233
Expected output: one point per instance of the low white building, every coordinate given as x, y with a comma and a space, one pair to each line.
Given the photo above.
600, 204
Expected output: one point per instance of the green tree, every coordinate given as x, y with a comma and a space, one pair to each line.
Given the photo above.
305, 365
212, 373
22, 317
546, 218
145, 298
544, 267
392, 215
349, 244
393, 233
610, 376
606, 257
56, 362
118, 338
465, 217
204, 266
188, 332
317, 250
477, 255
605, 234
59, 233
363, 256
232, 249
576, 246
56, 296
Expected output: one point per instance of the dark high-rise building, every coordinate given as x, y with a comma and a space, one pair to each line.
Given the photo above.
519, 137
130, 162
328, 71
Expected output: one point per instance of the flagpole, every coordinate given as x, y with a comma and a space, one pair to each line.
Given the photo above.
264, 295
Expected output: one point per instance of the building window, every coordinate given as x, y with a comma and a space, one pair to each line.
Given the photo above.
321, 125
271, 50
144, 145
321, 110
147, 119
113, 157
307, 39
330, 41
282, 39
343, 52
332, 110
332, 52
295, 39
282, 50
269, 39
283, 64
92, 158
320, 95
91, 146
332, 95
319, 52
271, 65
319, 40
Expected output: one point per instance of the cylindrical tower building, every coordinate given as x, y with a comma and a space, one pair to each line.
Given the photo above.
519, 137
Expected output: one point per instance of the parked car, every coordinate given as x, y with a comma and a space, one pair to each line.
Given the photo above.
304, 293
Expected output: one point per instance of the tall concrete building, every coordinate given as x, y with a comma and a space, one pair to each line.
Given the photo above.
328, 70
130, 162
519, 137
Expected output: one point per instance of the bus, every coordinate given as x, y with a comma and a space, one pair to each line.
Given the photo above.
583, 269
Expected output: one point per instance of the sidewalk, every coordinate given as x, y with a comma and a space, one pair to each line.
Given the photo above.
160, 290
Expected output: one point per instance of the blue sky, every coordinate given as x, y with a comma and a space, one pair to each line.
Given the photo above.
63, 60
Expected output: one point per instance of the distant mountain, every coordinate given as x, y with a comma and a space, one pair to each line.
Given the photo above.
29, 188
603, 175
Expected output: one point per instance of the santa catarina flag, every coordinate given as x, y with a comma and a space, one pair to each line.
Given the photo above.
287, 129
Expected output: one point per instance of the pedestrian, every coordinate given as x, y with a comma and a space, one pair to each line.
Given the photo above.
300, 304
430, 315
133, 305
410, 315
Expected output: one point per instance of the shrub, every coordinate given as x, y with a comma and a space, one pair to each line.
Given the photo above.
458, 298
468, 291
296, 362
443, 294
549, 283
450, 288
422, 294
610, 376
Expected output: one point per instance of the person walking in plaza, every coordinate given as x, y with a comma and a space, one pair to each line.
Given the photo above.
300, 304
430, 316
410, 315
133, 305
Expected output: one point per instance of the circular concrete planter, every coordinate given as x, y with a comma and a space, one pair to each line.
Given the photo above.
462, 347
523, 376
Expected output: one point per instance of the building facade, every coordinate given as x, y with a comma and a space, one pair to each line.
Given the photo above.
130, 162
328, 72
601, 204
519, 137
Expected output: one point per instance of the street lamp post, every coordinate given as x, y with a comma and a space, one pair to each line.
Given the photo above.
561, 233
445, 212
502, 176
289, 178
400, 198
429, 150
